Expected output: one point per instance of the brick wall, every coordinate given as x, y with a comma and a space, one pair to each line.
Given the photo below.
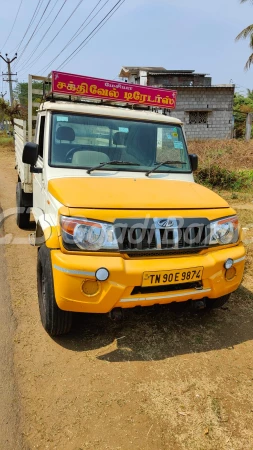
218, 101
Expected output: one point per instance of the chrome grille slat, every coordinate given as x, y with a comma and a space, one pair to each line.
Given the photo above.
136, 237
176, 238
158, 239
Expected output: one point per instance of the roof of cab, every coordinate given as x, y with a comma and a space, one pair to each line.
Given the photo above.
111, 111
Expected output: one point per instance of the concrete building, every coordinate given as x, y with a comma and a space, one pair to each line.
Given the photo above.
205, 109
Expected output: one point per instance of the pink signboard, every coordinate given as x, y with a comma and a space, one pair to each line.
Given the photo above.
78, 85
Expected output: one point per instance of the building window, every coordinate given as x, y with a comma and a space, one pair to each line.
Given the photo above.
197, 117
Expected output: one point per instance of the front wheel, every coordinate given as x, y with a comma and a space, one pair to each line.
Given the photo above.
218, 302
54, 320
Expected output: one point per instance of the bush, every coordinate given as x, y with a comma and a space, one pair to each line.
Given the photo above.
224, 164
218, 177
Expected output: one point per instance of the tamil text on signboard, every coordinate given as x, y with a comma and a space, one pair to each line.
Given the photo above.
77, 85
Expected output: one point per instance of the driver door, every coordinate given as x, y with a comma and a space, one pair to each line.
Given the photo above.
39, 198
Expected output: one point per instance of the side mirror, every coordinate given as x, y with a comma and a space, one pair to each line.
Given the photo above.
194, 162
30, 153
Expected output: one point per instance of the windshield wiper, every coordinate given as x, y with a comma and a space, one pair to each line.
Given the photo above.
163, 164
116, 163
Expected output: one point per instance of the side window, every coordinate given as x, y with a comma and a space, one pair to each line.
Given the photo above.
41, 135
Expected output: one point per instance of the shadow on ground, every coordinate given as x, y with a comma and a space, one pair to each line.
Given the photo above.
160, 332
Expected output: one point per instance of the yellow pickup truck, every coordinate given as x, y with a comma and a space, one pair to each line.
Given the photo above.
120, 221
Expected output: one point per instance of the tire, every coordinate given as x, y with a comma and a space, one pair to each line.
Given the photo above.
23, 210
218, 302
54, 320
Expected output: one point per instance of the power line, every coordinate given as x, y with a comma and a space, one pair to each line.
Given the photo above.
46, 18
24, 49
91, 35
82, 28
42, 38
77, 33
98, 27
30, 23
238, 85
52, 40
12, 26
42, 23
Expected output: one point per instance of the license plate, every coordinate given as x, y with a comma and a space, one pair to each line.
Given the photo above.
166, 277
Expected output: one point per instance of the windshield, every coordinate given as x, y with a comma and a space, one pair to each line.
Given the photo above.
82, 142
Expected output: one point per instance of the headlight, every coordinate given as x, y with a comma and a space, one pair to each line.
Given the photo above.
224, 231
87, 235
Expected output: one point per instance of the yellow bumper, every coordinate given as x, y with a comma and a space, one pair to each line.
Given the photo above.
71, 271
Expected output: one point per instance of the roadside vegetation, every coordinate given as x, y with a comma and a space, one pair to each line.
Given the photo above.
225, 165
227, 168
243, 105
6, 140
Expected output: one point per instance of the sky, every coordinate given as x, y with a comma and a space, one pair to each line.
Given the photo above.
176, 34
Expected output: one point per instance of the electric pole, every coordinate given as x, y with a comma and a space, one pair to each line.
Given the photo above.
248, 126
9, 74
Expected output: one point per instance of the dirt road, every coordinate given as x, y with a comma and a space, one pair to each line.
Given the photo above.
10, 436
159, 381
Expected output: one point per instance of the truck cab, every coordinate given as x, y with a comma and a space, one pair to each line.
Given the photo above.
120, 221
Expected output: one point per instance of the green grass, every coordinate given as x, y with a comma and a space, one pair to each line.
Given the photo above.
5, 140
218, 177
225, 165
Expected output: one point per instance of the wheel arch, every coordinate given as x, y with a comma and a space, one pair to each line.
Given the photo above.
47, 234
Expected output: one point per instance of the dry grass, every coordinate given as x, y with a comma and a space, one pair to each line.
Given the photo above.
6, 141
246, 217
231, 155
246, 221
235, 197
226, 165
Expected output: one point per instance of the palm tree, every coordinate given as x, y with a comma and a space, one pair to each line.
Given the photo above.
250, 94
247, 33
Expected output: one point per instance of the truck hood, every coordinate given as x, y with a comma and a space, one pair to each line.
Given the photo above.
139, 193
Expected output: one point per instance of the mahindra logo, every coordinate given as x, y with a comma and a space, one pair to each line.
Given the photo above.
166, 223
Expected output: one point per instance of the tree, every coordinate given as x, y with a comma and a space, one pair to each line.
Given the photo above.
247, 33
10, 112
250, 94
21, 95
242, 106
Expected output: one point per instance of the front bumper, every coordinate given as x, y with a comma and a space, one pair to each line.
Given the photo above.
70, 272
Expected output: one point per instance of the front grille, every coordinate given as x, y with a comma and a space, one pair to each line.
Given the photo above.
180, 235
131, 236
182, 251
168, 288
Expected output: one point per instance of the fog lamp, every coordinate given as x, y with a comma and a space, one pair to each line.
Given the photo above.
102, 274
91, 287
230, 273
229, 263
